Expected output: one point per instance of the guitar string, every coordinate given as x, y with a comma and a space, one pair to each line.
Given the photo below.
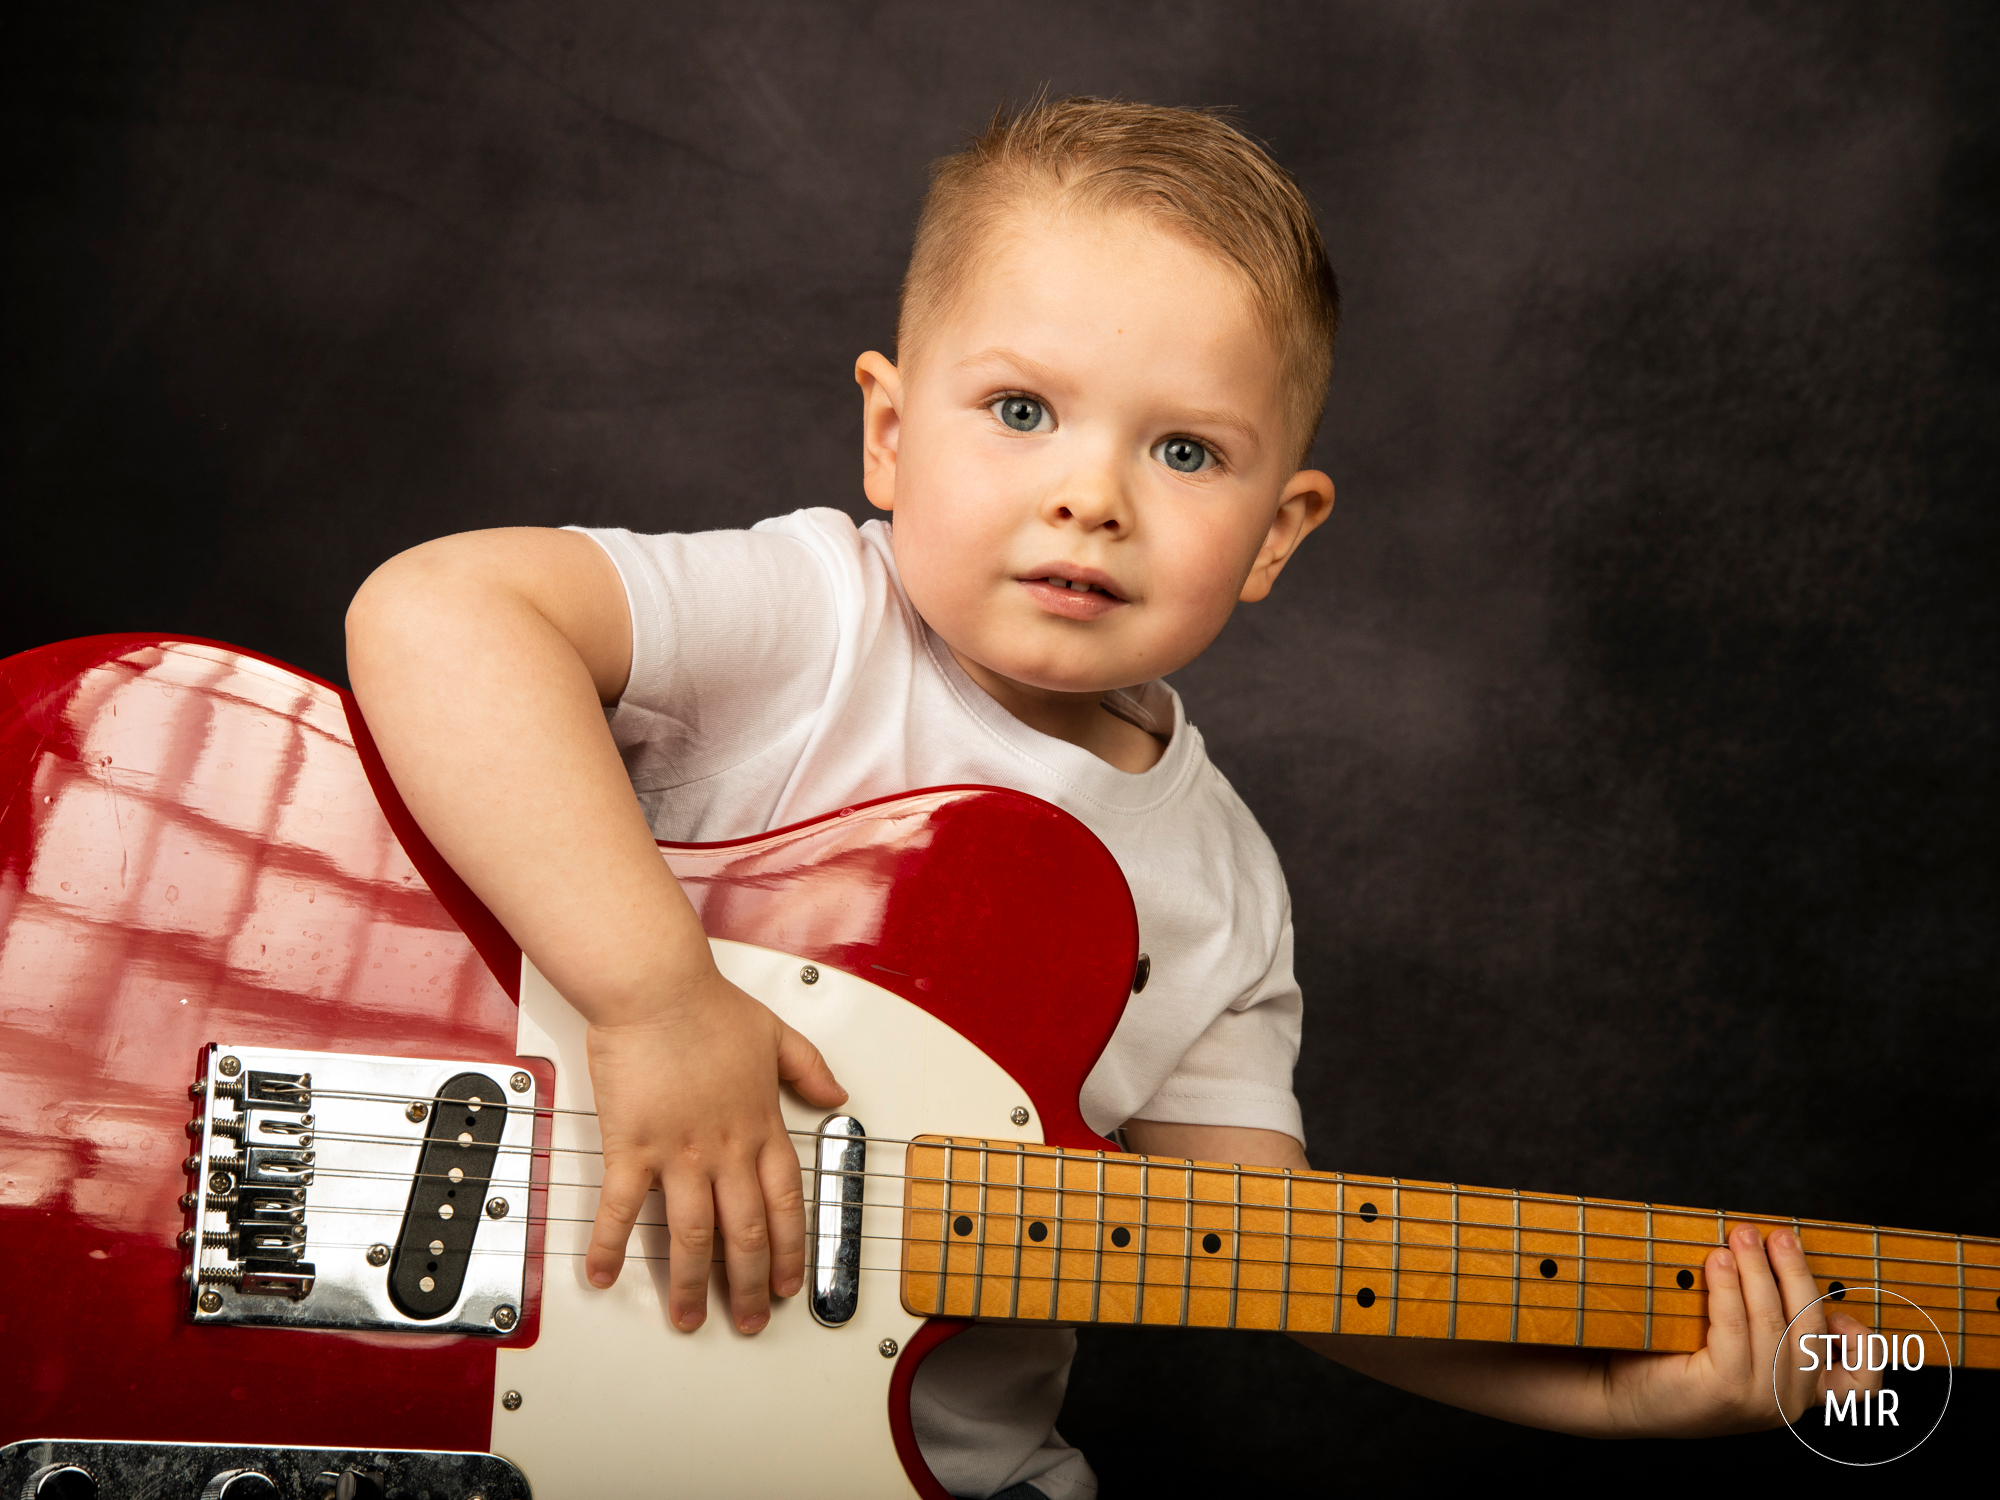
1031, 1151
1161, 1230
1057, 1281
1053, 1155
1148, 1200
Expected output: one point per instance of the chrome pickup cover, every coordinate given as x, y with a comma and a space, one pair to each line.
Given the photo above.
303, 1164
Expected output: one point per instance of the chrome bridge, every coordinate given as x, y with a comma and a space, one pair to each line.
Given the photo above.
335, 1190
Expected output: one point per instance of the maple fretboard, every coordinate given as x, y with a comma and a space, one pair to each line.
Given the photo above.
998, 1230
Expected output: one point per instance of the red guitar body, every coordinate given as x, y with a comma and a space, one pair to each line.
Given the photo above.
199, 844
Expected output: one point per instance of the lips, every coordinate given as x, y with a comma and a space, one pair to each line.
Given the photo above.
1071, 592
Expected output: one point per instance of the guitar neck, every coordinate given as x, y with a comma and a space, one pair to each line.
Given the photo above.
997, 1230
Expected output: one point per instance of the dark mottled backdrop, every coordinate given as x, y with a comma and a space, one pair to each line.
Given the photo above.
1627, 733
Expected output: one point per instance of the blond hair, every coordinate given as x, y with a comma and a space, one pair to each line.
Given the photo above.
1188, 169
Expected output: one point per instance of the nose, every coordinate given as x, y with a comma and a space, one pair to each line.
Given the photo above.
1091, 496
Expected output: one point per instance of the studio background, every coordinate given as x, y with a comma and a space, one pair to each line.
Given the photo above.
1625, 735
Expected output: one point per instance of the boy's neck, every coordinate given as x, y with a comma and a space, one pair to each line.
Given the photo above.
1079, 719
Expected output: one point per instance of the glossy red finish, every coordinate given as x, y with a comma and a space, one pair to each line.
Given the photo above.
190, 852
199, 844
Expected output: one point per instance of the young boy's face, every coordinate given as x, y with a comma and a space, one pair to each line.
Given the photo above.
1102, 407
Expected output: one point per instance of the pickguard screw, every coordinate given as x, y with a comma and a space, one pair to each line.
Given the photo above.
378, 1255
496, 1208
1020, 1114
229, 1067
888, 1348
218, 1182
417, 1111
809, 974
520, 1083
512, 1401
210, 1300
504, 1317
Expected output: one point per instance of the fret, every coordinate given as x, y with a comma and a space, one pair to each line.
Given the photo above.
979, 1230
1214, 1218
1451, 1312
1236, 1249
1514, 1327
1961, 1301
1546, 1270
1285, 1292
1651, 1256
1314, 1289
1920, 1271
1120, 1294
1395, 1254
1423, 1288
1485, 1267
1615, 1288
1097, 1270
1367, 1254
1187, 1247
1582, 1273
1680, 1247
1081, 1221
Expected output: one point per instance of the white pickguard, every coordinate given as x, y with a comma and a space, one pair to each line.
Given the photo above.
614, 1402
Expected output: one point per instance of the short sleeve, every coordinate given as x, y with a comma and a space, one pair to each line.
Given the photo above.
1239, 1070
734, 636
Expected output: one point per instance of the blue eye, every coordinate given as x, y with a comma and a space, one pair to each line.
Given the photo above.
1022, 413
1184, 455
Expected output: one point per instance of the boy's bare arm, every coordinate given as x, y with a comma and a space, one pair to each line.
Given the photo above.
482, 662
1723, 1387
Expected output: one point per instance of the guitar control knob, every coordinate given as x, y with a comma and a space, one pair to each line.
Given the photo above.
60, 1482
240, 1484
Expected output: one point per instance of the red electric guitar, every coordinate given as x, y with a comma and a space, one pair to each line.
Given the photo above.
297, 1158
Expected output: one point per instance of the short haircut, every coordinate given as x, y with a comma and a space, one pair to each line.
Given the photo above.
1188, 169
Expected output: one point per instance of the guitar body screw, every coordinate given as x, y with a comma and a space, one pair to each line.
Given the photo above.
416, 1111
520, 1083
512, 1400
218, 1182
378, 1255
496, 1208
504, 1317
1020, 1115
210, 1300
809, 974
229, 1067
888, 1348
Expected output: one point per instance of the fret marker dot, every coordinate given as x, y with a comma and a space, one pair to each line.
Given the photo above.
1683, 1279
1211, 1243
1366, 1296
1548, 1269
1837, 1290
961, 1225
1367, 1217
1121, 1236
1038, 1231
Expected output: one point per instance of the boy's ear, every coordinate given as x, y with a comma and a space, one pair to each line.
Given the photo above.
1307, 500
881, 427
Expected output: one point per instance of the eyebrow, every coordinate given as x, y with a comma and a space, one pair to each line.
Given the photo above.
1042, 374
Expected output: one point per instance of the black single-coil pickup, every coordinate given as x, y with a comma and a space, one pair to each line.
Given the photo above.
460, 1148
291, 1091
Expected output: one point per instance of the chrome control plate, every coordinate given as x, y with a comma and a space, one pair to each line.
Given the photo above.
328, 1145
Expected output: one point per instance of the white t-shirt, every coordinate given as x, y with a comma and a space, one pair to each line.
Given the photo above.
780, 673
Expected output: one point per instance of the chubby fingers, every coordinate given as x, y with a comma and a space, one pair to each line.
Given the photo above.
690, 1246
626, 1183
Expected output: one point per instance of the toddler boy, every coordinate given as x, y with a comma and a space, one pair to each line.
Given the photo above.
1112, 355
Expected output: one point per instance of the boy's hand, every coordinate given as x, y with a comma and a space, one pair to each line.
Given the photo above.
1754, 1290
689, 1098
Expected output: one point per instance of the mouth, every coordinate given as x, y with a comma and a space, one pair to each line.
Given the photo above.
1075, 580
1072, 593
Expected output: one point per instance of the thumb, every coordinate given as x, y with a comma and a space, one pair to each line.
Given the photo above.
800, 1065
